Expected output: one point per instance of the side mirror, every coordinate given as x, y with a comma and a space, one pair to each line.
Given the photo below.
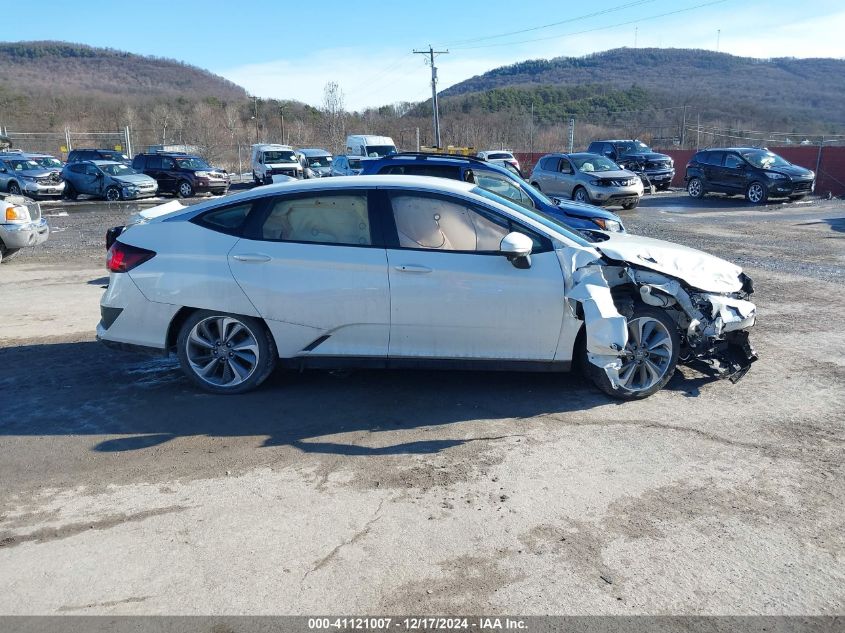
99, 175
517, 248
557, 201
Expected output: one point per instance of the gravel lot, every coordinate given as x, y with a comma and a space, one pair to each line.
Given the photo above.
126, 491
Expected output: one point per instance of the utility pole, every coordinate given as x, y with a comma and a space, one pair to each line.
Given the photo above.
255, 116
684, 129
718, 37
436, 114
698, 133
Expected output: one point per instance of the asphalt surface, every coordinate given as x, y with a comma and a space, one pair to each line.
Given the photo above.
126, 491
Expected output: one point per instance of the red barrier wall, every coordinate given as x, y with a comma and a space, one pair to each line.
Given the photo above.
830, 174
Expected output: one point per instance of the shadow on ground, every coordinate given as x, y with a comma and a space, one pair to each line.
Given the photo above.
86, 389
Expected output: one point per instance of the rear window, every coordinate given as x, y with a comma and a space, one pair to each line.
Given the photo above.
226, 220
499, 155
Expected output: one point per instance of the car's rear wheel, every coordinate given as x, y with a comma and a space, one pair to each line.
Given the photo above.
695, 188
7, 253
225, 353
113, 194
14, 188
184, 189
580, 195
649, 359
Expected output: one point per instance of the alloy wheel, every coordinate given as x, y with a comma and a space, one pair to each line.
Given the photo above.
755, 193
222, 351
648, 354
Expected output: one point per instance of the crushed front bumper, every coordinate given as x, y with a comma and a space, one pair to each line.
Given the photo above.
26, 234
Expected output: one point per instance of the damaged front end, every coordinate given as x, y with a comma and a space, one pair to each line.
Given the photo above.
711, 326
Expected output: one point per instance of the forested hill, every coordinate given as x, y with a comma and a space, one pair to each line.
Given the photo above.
64, 69
794, 90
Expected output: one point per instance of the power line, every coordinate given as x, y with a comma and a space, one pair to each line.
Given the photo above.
547, 26
598, 28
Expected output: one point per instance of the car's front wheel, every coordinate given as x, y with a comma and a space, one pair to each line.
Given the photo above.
113, 194
7, 253
14, 188
185, 189
630, 205
649, 358
695, 188
756, 193
580, 195
225, 353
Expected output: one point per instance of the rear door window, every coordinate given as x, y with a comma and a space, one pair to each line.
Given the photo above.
153, 162
714, 158
229, 219
337, 218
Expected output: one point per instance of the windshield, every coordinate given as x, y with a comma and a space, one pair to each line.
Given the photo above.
192, 163
354, 163
538, 216
280, 156
320, 161
632, 147
114, 156
765, 160
118, 169
49, 161
591, 163
504, 187
23, 165
377, 151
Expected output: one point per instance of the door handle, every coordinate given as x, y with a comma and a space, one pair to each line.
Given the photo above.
255, 258
406, 268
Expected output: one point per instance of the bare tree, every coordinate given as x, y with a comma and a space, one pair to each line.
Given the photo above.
334, 116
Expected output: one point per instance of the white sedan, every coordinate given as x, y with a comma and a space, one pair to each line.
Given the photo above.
402, 271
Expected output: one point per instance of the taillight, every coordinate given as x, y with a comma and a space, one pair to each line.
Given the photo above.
122, 257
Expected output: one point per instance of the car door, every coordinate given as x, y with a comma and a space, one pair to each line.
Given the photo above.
454, 296
89, 182
314, 266
733, 173
549, 176
169, 174
566, 178
713, 172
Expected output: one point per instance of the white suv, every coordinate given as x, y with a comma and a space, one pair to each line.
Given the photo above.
394, 271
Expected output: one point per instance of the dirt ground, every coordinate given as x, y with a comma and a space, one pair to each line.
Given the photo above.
126, 491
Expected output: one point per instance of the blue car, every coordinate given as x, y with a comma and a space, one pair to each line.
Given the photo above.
497, 180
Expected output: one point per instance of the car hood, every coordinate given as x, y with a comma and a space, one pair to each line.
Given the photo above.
645, 156
583, 210
697, 268
793, 171
34, 173
135, 179
616, 173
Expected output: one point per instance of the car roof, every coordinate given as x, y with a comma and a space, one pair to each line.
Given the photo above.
439, 159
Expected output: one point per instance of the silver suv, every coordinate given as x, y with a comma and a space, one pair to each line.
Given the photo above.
589, 178
21, 175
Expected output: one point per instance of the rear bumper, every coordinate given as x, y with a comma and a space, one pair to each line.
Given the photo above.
23, 235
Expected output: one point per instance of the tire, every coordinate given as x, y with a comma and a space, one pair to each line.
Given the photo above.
184, 189
630, 205
223, 336
695, 188
14, 188
113, 194
663, 186
255, 180
580, 195
756, 193
640, 381
7, 253
70, 193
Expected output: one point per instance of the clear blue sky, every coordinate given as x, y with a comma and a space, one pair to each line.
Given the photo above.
291, 49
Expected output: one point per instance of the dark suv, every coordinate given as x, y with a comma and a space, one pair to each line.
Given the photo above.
496, 179
78, 155
756, 173
182, 174
636, 156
